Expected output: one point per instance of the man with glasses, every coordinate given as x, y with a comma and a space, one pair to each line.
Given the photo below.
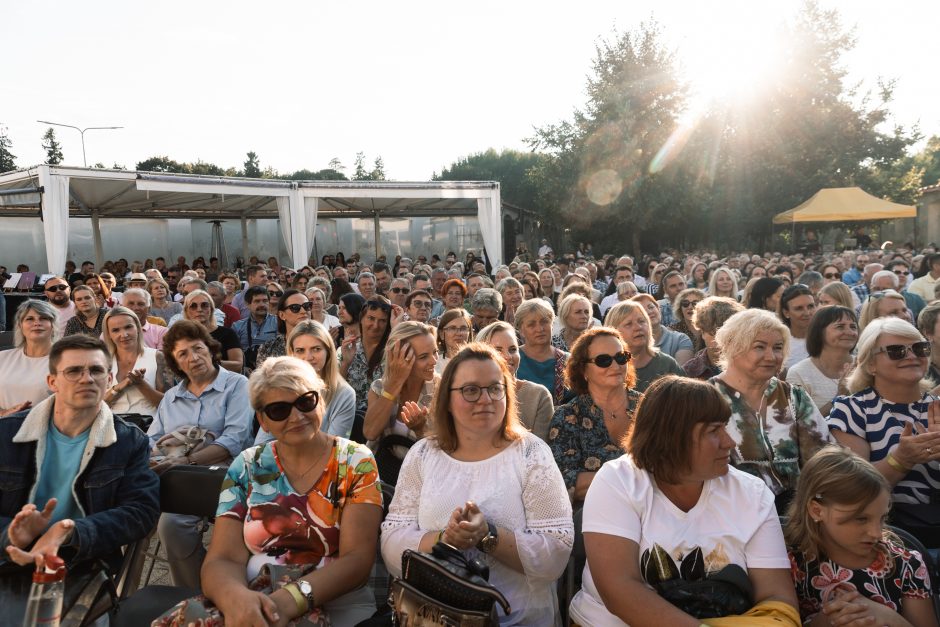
399, 291
58, 293
78, 482
418, 306
854, 274
888, 280
902, 270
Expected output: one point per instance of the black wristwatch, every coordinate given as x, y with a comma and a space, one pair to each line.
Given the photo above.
490, 540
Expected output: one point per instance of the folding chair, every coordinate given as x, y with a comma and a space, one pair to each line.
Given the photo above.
911, 542
190, 490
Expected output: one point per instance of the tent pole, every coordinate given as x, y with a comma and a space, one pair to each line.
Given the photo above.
244, 239
378, 233
96, 235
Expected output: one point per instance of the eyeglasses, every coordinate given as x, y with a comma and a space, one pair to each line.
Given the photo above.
57, 288
75, 373
274, 294
832, 275
472, 392
296, 307
897, 352
400, 290
421, 304
195, 306
605, 361
685, 304
460, 329
280, 410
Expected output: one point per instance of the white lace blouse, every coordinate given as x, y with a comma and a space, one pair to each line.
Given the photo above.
519, 488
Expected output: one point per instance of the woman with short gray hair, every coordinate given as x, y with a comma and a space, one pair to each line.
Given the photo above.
23, 369
485, 307
539, 361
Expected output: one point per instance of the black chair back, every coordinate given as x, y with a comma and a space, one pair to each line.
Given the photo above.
191, 490
141, 421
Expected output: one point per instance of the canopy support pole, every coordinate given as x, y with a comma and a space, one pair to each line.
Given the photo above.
244, 239
378, 235
96, 235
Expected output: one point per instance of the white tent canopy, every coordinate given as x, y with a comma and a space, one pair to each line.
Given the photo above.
64, 192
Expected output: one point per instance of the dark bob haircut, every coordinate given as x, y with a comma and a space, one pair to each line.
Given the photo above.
794, 291
575, 379
188, 330
660, 438
824, 316
764, 288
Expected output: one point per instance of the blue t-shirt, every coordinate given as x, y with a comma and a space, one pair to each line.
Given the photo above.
541, 372
59, 470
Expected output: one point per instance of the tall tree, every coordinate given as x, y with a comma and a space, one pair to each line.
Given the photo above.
378, 170
52, 147
360, 174
509, 167
160, 164
7, 158
252, 166
336, 164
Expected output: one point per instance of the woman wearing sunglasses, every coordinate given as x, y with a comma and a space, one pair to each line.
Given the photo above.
275, 293
632, 322
682, 308
889, 419
292, 309
775, 426
485, 485
198, 306
586, 432
281, 510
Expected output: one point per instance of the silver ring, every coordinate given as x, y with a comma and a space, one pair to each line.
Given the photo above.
929, 450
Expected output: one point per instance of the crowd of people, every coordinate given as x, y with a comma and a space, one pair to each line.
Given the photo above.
745, 418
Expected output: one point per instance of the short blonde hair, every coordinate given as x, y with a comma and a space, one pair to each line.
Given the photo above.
282, 373
861, 377
330, 376
839, 292
870, 308
122, 311
738, 332
567, 304
624, 309
201, 294
532, 308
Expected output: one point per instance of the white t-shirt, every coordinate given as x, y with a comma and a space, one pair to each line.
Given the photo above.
22, 378
132, 400
734, 522
797, 351
63, 315
820, 388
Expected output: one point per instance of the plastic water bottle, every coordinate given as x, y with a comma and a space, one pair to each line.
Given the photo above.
44, 606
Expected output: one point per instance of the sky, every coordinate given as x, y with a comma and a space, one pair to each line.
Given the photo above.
420, 83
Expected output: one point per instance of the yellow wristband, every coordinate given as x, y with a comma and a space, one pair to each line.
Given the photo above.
299, 598
390, 397
894, 463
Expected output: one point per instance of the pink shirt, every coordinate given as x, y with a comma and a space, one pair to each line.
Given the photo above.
153, 335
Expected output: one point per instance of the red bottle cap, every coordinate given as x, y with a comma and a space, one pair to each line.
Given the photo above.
54, 570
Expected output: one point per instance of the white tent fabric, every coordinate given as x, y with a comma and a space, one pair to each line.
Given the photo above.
55, 217
298, 217
489, 213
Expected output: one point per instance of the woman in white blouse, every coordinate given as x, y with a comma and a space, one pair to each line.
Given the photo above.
318, 308
137, 370
23, 369
487, 486
830, 340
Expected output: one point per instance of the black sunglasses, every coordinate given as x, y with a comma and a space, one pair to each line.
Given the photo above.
400, 290
280, 410
272, 294
57, 288
296, 307
832, 275
897, 352
688, 303
605, 361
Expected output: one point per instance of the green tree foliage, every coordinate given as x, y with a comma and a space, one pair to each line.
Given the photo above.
161, 164
378, 170
326, 174
7, 158
509, 167
52, 147
252, 166
928, 160
360, 174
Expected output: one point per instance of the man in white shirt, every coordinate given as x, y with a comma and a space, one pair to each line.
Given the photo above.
621, 275
58, 294
545, 249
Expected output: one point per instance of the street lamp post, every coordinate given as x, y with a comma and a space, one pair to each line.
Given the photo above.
82, 132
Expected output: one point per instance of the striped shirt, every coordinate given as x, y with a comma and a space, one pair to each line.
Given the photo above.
880, 423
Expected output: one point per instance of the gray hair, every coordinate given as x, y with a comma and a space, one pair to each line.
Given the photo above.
323, 284
215, 285
814, 280
365, 275
138, 291
533, 307
486, 298
506, 283
886, 273
282, 373
45, 310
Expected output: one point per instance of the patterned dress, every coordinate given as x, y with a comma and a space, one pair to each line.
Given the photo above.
276, 347
774, 441
895, 575
579, 438
358, 376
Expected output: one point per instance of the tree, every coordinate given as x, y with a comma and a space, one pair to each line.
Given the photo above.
336, 164
928, 160
600, 162
360, 174
252, 166
327, 174
378, 170
161, 164
7, 158
510, 167
52, 147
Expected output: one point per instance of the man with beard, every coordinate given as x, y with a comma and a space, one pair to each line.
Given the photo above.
58, 293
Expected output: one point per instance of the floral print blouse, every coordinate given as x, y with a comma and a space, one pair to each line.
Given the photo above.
284, 526
358, 376
579, 438
774, 441
895, 575
276, 347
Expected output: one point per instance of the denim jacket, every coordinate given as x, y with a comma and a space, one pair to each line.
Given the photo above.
115, 489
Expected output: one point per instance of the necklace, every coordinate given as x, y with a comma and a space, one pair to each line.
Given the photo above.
317, 460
